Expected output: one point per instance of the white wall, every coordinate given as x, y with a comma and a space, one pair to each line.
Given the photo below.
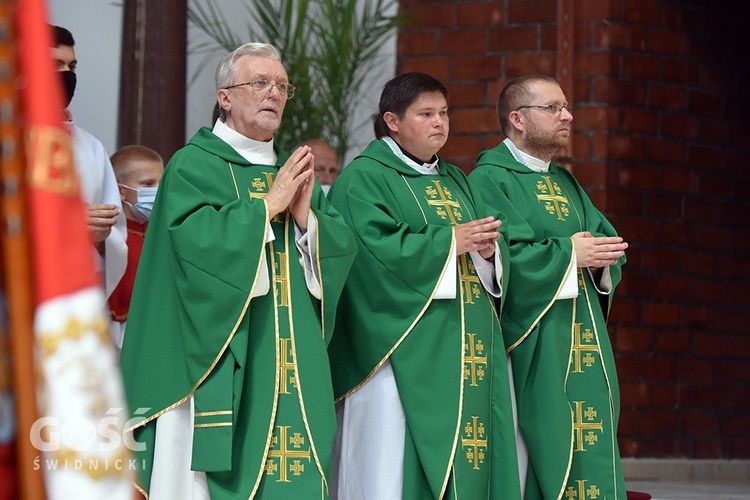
97, 28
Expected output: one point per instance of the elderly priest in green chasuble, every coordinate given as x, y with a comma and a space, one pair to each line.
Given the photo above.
418, 358
235, 298
565, 260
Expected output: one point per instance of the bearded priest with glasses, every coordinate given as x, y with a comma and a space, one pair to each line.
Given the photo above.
225, 361
565, 260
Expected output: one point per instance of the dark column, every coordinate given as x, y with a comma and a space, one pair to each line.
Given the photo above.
152, 78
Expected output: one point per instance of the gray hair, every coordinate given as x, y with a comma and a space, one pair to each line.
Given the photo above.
225, 70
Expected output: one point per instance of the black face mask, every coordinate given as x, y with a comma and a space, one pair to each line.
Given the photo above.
69, 86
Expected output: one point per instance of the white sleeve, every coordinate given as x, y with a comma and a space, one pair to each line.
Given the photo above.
264, 285
570, 286
447, 287
604, 286
99, 185
490, 273
308, 254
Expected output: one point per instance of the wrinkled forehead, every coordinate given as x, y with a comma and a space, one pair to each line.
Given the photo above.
252, 67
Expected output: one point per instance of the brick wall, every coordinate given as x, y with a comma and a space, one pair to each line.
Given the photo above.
662, 129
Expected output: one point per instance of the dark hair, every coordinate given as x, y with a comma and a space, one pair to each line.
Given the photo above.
517, 93
400, 92
378, 126
62, 36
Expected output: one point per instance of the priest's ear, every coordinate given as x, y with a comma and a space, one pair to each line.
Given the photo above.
391, 121
517, 120
222, 97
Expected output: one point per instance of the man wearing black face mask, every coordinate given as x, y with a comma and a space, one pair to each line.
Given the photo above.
106, 220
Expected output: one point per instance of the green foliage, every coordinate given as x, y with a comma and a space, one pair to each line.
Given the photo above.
328, 48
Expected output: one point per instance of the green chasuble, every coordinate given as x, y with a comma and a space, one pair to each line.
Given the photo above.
563, 367
256, 367
447, 355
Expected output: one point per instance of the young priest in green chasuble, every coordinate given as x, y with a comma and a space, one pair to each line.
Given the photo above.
566, 260
418, 359
235, 298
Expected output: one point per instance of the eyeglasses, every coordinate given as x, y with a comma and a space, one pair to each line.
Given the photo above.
554, 108
260, 86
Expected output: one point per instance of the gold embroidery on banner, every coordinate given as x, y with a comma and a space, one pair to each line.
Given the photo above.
477, 446
73, 329
579, 347
469, 279
551, 194
473, 360
445, 206
286, 365
51, 161
279, 458
579, 426
582, 493
97, 468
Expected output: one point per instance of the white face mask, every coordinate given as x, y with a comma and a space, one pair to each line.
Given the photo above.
141, 209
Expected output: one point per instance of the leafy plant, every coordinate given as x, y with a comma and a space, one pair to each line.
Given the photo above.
328, 48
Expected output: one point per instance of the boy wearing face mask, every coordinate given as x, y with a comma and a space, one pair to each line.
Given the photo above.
138, 170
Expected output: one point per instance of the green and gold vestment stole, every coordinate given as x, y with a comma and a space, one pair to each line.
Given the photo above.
580, 329
292, 469
441, 203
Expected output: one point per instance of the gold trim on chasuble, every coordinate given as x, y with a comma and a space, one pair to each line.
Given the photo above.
613, 436
286, 361
473, 438
224, 347
229, 339
558, 205
421, 313
583, 418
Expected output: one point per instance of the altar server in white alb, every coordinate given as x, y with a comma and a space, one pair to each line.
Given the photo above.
106, 221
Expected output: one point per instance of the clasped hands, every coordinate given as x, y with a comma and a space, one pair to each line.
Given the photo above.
478, 235
293, 187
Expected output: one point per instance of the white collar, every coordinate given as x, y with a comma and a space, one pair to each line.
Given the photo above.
431, 168
256, 152
532, 162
